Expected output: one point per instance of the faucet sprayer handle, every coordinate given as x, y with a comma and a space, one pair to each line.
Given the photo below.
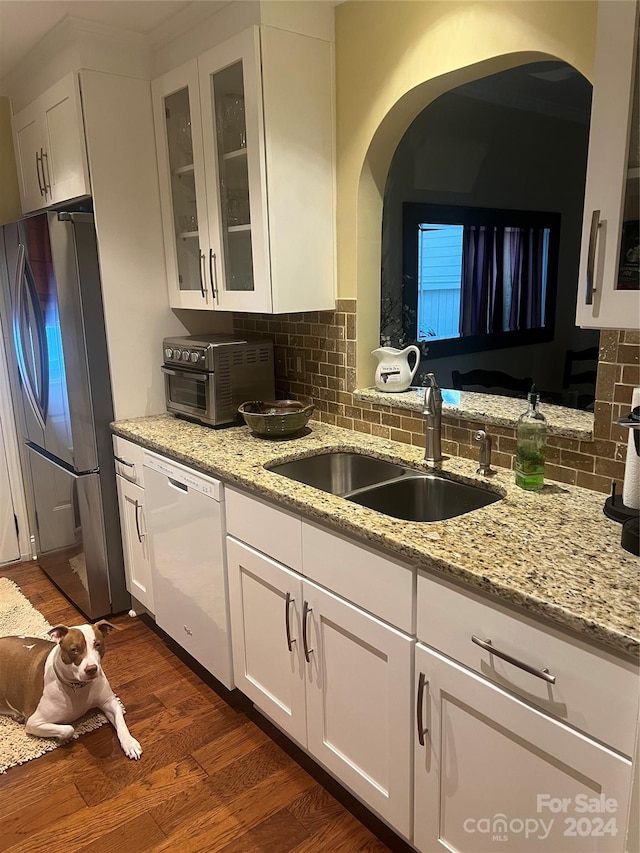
432, 396
484, 467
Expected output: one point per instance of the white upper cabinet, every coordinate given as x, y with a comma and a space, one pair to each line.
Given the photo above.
176, 113
609, 285
49, 146
246, 159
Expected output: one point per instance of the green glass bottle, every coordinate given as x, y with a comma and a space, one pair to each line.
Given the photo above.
531, 435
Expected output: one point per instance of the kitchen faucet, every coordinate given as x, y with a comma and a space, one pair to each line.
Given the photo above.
432, 409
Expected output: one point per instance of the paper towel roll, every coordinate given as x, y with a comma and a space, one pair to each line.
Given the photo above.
631, 485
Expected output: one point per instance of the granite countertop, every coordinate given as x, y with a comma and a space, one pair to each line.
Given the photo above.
552, 552
487, 408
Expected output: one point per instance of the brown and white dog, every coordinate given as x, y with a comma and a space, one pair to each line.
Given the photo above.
48, 687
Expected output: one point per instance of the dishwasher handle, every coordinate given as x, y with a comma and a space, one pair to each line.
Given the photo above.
184, 479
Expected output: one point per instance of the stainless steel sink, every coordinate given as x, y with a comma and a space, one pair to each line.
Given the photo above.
392, 489
340, 473
424, 497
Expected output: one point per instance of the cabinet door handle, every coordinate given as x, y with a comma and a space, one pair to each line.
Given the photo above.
124, 462
140, 535
305, 611
40, 180
46, 180
487, 645
203, 289
287, 623
423, 685
213, 273
591, 256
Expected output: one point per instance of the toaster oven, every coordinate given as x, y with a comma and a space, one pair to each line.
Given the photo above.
206, 377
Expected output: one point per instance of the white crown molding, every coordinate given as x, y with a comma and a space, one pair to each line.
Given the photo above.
55, 54
184, 20
229, 19
85, 26
77, 42
72, 44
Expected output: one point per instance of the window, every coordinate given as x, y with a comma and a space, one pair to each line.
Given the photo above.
478, 278
439, 278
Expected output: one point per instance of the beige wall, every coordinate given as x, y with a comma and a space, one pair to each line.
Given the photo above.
393, 57
9, 196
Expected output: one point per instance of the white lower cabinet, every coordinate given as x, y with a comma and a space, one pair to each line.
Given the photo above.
333, 677
135, 543
359, 702
263, 595
128, 458
493, 773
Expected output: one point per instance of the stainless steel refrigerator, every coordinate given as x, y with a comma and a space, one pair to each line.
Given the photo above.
63, 405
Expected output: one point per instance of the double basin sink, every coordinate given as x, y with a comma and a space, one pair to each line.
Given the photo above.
391, 489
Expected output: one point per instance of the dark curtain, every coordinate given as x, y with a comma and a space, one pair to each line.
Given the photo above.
527, 275
484, 279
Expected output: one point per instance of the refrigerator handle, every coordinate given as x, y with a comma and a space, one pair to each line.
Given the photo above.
17, 338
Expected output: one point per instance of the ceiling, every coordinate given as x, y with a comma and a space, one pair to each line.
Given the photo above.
546, 87
23, 23
550, 88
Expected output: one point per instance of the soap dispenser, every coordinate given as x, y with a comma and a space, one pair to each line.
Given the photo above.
531, 435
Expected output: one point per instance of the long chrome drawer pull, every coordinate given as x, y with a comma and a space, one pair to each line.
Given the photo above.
287, 622
422, 730
487, 645
307, 651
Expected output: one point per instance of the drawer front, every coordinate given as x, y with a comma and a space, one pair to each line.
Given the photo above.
377, 583
594, 691
275, 532
128, 459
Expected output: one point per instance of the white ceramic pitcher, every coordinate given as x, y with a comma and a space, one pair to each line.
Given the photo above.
393, 372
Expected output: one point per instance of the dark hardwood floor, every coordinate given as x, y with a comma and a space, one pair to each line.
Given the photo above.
214, 776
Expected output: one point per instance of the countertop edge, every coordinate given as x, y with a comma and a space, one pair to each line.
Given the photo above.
487, 409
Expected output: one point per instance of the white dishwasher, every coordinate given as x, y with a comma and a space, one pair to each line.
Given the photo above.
186, 529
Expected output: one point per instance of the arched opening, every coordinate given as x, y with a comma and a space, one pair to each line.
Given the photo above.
403, 121
481, 228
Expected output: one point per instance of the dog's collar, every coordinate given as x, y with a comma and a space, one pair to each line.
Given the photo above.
74, 685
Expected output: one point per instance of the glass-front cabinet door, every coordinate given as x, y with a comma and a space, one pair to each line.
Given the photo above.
233, 134
609, 283
183, 200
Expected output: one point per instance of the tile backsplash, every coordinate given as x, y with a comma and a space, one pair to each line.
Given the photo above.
315, 354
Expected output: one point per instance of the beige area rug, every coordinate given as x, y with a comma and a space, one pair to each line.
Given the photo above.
18, 616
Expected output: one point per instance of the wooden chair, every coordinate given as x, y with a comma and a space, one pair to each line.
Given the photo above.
491, 380
576, 376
